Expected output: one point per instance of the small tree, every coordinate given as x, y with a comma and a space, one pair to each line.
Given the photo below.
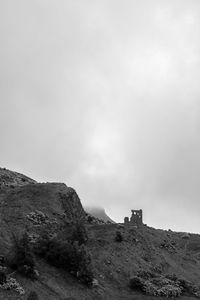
79, 234
85, 273
42, 246
118, 237
90, 219
23, 259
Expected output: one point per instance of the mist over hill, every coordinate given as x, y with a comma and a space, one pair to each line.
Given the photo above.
98, 212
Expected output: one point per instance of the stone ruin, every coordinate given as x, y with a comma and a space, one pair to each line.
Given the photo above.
135, 219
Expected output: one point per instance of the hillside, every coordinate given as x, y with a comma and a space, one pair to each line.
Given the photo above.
10, 179
53, 209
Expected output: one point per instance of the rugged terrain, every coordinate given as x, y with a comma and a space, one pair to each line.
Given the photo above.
28, 206
11, 179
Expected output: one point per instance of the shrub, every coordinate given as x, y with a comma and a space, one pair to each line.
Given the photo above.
170, 291
118, 237
59, 253
12, 284
23, 260
166, 290
42, 246
32, 296
3, 277
145, 274
90, 219
168, 286
188, 287
161, 281
150, 288
155, 286
79, 234
172, 277
2, 260
69, 256
84, 267
136, 283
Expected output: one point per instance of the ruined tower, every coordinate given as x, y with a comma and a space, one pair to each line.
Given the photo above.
135, 219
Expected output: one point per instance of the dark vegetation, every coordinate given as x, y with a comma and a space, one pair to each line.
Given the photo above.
168, 285
79, 234
23, 259
69, 254
3, 277
32, 296
118, 237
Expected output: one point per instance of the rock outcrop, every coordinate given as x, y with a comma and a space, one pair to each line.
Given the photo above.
21, 199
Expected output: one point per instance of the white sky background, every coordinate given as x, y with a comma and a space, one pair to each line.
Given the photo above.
105, 96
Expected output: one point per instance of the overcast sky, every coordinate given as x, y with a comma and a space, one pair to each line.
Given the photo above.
104, 95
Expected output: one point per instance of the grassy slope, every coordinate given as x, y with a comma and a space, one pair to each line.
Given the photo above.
114, 263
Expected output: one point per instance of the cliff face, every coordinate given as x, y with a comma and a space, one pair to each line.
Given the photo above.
30, 205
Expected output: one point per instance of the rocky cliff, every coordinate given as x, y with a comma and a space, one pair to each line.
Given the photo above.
24, 203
